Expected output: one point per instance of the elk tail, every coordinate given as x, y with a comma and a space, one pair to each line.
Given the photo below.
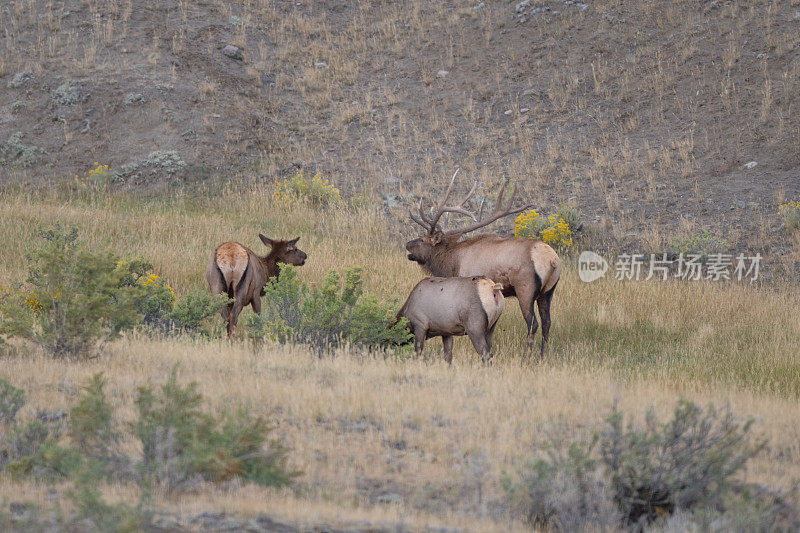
231, 292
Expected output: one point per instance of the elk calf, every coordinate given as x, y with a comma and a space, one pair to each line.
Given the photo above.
444, 307
236, 270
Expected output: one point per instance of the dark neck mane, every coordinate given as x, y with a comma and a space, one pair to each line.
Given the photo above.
270, 265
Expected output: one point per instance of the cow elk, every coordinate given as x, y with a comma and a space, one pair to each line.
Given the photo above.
445, 307
525, 268
237, 270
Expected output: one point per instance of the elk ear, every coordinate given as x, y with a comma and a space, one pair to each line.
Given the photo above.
294, 241
436, 238
266, 240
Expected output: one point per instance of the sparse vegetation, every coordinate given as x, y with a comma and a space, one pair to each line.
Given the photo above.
181, 443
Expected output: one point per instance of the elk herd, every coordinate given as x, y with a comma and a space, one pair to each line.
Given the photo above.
467, 290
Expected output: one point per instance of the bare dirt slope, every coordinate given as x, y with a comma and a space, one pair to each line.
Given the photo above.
643, 114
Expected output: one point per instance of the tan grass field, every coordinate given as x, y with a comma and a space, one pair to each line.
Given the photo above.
435, 439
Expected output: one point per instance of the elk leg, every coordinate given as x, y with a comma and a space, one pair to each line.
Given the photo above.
233, 318
447, 340
526, 304
419, 340
544, 310
256, 303
489, 335
480, 344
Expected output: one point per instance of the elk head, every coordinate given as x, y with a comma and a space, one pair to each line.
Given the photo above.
422, 248
284, 251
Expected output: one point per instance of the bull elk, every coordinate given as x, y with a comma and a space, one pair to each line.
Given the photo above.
237, 270
526, 268
445, 307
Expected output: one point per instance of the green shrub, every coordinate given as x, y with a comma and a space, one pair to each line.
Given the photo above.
325, 316
631, 476
48, 461
78, 298
66, 94
703, 244
180, 442
91, 507
11, 400
154, 298
91, 420
191, 315
134, 98
158, 165
18, 154
566, 491
31, 449
686, 463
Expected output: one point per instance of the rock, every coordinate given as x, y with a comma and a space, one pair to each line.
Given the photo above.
520, 7
442, 74
524, 110
19, 79
507, 112
267, 79
321, 65
479, 6
751, 164
528, 92
233, 52
740, 203
582, 7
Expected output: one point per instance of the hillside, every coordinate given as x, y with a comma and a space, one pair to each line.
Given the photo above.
642, 115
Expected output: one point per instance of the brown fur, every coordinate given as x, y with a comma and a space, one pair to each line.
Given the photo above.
236, 270
514, 262
446, 307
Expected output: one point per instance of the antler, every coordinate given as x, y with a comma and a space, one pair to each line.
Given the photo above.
499, 211
432, 223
